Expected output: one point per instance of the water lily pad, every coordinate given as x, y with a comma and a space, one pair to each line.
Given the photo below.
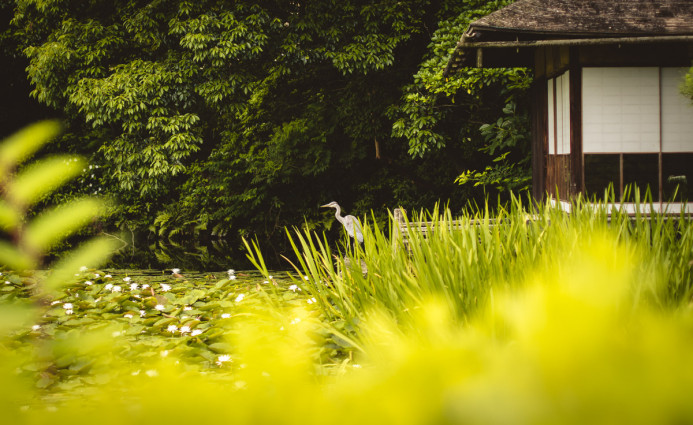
220, 347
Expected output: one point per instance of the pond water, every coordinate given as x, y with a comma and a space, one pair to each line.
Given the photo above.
160, 255
165, 275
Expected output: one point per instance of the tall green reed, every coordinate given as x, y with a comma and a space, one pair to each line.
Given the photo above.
462, 260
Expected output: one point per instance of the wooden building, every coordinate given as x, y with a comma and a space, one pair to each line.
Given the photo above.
606, 101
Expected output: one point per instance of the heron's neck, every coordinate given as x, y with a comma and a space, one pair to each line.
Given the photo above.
337, 212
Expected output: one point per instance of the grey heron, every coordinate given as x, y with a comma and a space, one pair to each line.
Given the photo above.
350, 223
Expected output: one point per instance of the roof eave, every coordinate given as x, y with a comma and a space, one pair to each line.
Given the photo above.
458, 55
513, 33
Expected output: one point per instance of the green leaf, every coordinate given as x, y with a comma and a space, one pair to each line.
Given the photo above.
56, 224
220, 347
43, 177
9, 218
12, 258
17, 148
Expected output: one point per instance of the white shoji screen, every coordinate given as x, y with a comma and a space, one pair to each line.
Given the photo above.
620, 110
677, 113
559, 114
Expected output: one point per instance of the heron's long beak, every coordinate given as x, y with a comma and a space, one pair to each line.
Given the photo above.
325, 206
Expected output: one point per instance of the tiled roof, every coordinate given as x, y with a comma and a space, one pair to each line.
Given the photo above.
558, 18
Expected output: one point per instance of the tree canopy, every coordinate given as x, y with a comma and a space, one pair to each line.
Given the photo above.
245, 116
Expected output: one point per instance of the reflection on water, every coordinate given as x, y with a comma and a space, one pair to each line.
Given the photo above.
164, 275
167, 254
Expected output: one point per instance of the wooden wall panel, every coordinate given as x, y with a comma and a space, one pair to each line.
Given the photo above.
558, 179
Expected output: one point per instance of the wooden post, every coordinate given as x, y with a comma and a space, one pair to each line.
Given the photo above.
576, 167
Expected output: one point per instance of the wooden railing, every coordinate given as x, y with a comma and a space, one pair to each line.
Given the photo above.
424, 227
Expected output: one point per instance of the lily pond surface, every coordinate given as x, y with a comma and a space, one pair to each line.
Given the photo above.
130, 319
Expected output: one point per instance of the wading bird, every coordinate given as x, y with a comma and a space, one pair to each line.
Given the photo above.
350, 223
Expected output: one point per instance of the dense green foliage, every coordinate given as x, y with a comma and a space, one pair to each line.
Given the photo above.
435, 105
242, 117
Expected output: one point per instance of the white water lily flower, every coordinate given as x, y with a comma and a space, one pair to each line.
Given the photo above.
305, 277
96, 275
56, 302
165, 287
196, 332
67, 306
88, 283
184, 329
175, 271
127, 279
145, 285
134, 286
225, 316
69, 311
312, 300
143, 313
108, 287
293, 288
108, 276
128, 315
83, 269
160, 307
116, 288
232, 277
172, 328
223, 359
36, 327
187, 308
240, 298
164, 353
7, 282
231, 272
